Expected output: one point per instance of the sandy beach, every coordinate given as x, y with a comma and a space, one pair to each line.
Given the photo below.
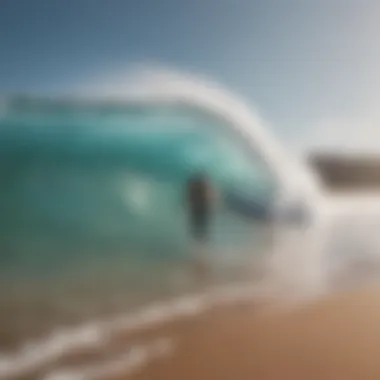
334, 338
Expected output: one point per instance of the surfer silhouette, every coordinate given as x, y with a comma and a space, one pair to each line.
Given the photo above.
199, 206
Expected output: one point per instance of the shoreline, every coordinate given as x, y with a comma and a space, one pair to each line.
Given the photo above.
88, 340
235, 334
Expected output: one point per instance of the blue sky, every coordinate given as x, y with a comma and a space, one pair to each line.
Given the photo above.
310, 66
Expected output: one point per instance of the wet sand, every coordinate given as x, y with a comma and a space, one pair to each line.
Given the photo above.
334, 338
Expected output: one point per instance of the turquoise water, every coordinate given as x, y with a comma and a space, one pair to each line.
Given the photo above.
92, 207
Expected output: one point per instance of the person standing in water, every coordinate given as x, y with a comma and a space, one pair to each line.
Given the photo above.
199, 203
199, 207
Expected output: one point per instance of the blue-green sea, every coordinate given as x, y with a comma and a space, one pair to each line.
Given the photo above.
93, 215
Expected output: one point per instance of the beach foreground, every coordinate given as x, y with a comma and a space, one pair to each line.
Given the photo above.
334, 338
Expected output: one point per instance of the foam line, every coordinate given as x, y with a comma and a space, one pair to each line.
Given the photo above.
134, 359
95, 334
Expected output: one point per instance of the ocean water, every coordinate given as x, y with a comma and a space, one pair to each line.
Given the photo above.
92, 215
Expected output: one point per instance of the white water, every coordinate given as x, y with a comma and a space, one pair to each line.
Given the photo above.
125, 364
